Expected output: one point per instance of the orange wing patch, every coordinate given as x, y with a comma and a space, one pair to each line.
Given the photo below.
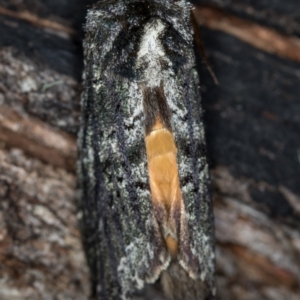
163, 174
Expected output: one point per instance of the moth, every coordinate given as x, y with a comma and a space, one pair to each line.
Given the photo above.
143, 172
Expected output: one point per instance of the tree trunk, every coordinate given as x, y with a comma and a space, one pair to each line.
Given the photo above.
252, 123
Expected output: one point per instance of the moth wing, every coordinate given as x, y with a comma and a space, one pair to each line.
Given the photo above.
122, 240
197, 241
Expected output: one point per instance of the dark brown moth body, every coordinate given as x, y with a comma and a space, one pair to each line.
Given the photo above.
162, 166
143, 171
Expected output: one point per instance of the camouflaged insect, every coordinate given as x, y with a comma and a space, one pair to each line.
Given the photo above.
143, 172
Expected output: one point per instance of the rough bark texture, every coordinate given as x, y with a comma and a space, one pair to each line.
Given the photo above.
252, 122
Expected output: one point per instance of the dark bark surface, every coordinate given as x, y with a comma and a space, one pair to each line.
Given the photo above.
252, 124
281, 15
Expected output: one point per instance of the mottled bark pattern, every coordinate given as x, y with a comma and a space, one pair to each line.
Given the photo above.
252, 126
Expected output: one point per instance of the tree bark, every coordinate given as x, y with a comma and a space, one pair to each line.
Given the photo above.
252, 124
